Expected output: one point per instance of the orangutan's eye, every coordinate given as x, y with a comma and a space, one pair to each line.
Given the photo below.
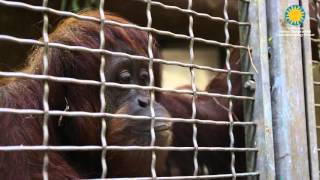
125, 77
144, 76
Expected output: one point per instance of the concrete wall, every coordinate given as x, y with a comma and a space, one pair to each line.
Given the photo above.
174, 76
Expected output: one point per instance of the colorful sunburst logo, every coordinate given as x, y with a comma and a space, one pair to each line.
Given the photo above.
295, 15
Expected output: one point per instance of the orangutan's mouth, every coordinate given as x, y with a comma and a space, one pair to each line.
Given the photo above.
158, 128
163, 127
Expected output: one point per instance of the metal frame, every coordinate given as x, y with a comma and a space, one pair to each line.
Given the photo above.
287, 95
310, 96
258, 111
259, 108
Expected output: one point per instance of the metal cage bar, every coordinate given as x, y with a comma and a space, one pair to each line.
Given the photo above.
148, 29
102, 92
287, 96
120, 54
310, 96
260, 143
229, 91
258, 111
152, 93
45, 98
194, 89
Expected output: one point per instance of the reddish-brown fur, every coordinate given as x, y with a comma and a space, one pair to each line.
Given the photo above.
27, 94
208, 135
27, 129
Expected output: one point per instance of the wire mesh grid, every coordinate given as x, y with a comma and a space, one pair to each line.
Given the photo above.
103, 84
315, 61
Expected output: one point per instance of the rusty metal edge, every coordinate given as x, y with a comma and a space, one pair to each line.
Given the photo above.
287, 96
260, 112
309, 94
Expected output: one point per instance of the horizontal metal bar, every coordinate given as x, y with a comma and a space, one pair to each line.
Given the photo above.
317, 105
89, 18
217, 176
120, 54
192, 12
316, 83
118, 116
121, 148
117, 85
316, 62
315, 40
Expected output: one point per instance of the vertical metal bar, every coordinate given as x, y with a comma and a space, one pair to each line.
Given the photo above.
316, 3
229, 92
152, 95
194, 90
46, 107
260, 111
309, 94
102, 92
287, 96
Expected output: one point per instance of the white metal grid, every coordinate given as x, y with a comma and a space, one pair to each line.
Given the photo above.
102, 94
46, 92
316, 6
152, 95
151, 88
230, 116
194, 95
